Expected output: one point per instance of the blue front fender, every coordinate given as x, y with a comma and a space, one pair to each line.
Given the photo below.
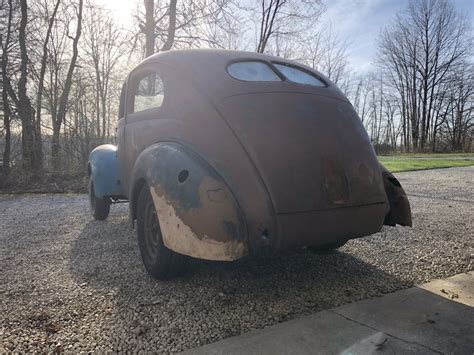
103, 168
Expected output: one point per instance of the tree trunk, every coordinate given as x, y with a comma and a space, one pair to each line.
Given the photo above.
149, 28
39, 94
55, 144
5, 86
171, 27
31, 158
7, 128
104, 117
267, 21
62, 109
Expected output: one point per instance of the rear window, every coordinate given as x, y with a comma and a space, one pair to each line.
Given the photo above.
252, 71
298, 75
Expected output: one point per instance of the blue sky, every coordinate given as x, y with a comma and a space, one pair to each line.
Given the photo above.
360, 21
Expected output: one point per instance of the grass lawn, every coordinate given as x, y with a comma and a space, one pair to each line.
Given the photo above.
416, 161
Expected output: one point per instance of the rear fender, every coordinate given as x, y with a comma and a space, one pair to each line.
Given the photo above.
400, 211
198, 214
103, 168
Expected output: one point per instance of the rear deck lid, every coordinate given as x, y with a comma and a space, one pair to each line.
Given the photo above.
311, 151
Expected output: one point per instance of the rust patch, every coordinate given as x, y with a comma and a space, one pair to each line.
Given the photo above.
335, 183
208, 232
218, 195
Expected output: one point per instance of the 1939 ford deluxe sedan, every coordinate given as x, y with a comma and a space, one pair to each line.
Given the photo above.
222, 153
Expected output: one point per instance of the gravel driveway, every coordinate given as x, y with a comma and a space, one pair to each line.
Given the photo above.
70, 283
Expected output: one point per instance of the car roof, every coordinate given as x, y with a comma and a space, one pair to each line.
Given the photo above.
189, 55
207, 68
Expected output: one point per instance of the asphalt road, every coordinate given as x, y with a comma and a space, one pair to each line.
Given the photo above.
70, 283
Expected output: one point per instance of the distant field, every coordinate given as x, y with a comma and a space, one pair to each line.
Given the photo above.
416, 161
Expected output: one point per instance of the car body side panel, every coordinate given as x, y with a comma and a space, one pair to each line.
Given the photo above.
188, 117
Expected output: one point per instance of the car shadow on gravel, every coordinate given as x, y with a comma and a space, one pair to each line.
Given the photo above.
214, 300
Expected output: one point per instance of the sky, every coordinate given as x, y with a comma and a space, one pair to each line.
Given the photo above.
358, 21
361, 21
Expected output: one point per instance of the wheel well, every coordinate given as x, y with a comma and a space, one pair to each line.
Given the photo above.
136, 192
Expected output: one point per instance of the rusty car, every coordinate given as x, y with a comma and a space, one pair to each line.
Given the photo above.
221, 154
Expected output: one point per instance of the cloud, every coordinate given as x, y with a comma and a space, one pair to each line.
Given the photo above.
360, 21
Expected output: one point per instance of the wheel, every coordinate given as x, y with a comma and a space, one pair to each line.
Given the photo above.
100, 207
328, 248
160, 262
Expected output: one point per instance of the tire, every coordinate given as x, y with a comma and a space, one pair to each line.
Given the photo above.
160, 262
328, 248
100, 207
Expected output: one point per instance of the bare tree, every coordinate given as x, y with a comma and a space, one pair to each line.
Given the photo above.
360, 98
151, 24
7, 10
227, 27
103, 46
148, 27
40, 79
427, 41
62, 107
284, 19
180, 24
327, 52
457, 118
31, 159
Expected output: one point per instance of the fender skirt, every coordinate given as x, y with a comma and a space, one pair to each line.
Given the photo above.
400, 211
103, 169
198, 214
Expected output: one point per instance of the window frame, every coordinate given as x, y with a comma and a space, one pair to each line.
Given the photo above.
122, 101
272, 64
133, 86
304, 70
251, 60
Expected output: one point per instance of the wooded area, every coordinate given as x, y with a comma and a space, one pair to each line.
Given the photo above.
63, 63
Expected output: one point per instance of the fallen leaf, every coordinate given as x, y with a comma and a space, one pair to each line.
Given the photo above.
108, 311
53, 327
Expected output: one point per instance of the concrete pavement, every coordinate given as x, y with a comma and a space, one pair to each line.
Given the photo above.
434, 318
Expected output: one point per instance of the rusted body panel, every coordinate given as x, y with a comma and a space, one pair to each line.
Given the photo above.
330, 226
400, 211
199, 216
312, 152
270, 164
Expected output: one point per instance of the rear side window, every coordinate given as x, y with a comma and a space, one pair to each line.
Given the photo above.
252, 71
149, 93
298, 75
